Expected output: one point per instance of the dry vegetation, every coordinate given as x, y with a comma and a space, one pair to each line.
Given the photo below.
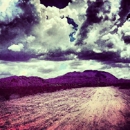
76, 109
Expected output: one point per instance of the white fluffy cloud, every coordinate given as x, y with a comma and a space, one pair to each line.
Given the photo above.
53, 31
16, 48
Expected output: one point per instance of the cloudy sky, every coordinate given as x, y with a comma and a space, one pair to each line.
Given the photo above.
51, 38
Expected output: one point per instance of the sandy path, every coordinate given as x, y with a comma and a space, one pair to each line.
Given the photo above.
77, 109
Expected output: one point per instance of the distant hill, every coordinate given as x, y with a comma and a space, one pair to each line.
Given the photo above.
124, 83
88, 77
22, 81
19, 86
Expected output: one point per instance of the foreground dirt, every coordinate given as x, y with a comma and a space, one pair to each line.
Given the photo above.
102, 108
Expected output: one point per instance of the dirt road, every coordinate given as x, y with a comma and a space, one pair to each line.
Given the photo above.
102, 108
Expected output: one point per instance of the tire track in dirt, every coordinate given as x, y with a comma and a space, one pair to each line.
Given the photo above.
101, 108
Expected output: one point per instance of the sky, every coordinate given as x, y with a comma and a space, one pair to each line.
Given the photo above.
50, 38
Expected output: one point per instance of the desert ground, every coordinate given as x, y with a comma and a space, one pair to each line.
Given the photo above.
101, 108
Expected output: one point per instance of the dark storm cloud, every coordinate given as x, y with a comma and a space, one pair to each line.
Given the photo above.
84, 54
58, 55
52, 55
94, 9
126, 39
57, 3
20, 24
93, 16
8, 55
103, 56
124, 10
103, 19
111, 65
30, 16
106, 56
124, 14
96, 13
128, 16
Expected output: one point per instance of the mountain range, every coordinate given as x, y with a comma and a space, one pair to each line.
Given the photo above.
88, 77
19, 86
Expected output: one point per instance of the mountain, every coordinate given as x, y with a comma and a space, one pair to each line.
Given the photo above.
88, 77
22, 81
19, 86
124, 83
